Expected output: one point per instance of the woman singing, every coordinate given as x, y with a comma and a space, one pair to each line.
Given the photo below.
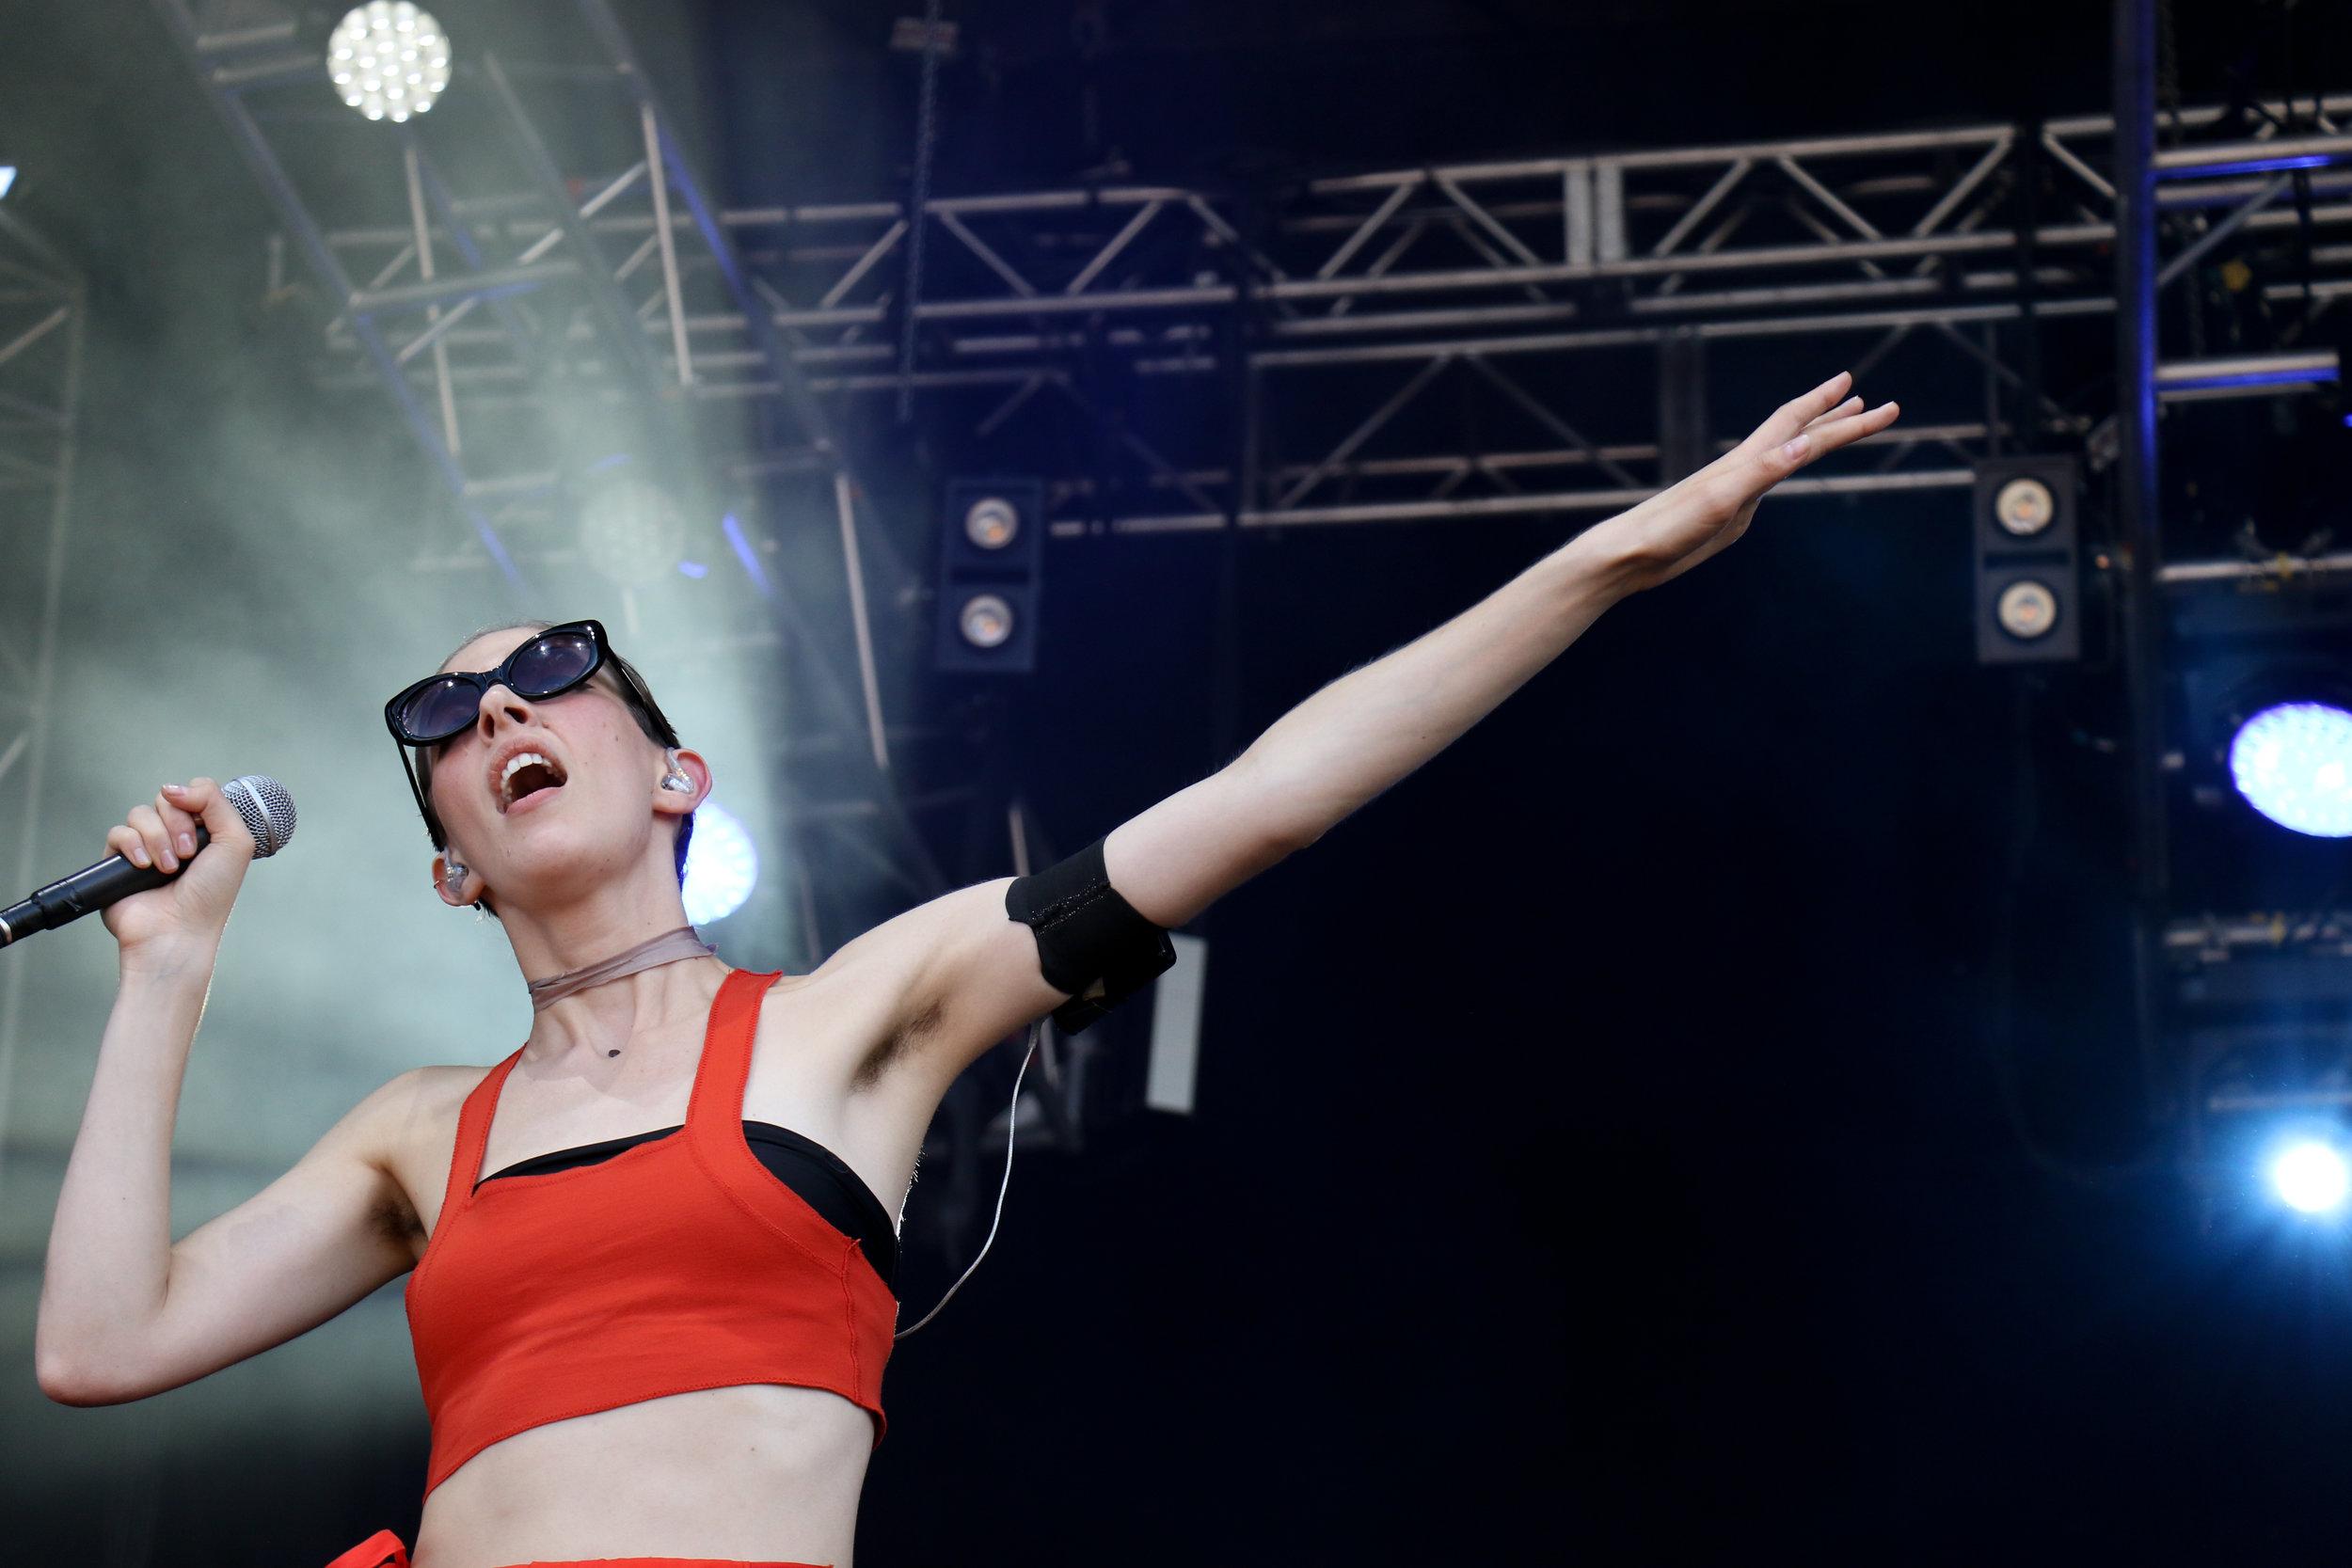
649, 1261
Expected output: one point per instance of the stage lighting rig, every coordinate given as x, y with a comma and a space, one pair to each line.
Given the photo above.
2293, 763
2029, 601
991, 534
2310, 1176
722, 865
389, 59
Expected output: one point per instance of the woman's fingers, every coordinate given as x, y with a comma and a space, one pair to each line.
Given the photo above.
1848, 428
143, 821
204, 797
122, 839
1839, 412
179, 823
1797, 413
1835, 429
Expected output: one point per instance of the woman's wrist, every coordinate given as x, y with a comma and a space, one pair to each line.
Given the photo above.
1597, 565
171, 966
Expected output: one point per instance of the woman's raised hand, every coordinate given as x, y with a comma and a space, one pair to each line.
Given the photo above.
183, 918
1681, 526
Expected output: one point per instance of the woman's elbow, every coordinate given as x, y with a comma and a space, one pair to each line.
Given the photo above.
71, 1377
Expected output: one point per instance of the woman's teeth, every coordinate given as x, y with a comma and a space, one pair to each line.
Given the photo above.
515, 765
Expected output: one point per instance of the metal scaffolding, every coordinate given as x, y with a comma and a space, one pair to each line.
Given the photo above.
1328, 321
42, 325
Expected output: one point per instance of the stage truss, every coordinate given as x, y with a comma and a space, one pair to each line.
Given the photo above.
1441, 343
41, 324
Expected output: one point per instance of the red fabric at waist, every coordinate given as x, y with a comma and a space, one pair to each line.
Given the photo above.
383, 1550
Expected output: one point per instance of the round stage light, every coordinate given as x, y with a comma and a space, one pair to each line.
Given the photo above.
992, 523
630, 531
986, 621
722, 865
2310, 1178
389, 59
2293, 761
2024, 507
2026, 609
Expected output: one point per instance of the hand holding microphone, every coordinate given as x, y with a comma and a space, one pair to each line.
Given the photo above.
176, 867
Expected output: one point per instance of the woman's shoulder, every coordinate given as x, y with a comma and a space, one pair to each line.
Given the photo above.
418, 1109
415, 1130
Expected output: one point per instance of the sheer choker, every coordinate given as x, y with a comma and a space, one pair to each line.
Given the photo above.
667, 948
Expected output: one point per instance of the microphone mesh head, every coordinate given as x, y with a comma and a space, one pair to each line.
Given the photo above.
267, 809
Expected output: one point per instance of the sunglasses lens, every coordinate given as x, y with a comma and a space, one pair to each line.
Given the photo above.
554, 663
438, 710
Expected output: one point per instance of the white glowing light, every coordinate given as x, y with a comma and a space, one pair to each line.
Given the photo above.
2310, 1178
389, 58
722, 865
2294, 763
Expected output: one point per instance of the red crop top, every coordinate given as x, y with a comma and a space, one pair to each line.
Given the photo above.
677, 1264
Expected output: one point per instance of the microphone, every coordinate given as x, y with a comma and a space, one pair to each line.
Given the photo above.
268, 812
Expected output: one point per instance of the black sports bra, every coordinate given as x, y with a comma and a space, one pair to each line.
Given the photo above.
822, 1179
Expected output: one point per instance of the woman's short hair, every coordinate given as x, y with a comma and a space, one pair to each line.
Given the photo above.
630, 683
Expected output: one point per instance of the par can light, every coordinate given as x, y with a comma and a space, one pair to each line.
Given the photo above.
722, 865
2024, 507
992, 523
2310, 1177
2293, 763
985, 621
2026, 609
388, 59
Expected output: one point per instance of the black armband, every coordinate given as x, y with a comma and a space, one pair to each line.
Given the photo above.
1090, 941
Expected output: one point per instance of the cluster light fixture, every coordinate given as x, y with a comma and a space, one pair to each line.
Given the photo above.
389, 59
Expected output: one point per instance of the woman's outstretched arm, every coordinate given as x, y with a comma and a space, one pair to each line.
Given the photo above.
969, 975
1364, 732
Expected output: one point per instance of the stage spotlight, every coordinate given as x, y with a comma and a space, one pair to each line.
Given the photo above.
986, 620
7, 177
992, 523
2310, 1178
722, 865
2024, 506
629, 527
2026, 609
2293, 761
389, 59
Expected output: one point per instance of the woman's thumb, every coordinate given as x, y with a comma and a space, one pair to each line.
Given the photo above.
208, 802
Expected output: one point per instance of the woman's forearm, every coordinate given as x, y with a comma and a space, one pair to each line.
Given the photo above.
110, 1248
1371, 727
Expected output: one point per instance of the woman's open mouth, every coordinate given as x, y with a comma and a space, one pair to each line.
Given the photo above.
528, 777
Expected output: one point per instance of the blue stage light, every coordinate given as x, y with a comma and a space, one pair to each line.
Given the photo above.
2310, 1177
722, 865
2293, 761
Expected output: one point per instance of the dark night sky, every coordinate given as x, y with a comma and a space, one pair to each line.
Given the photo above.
1602, 1150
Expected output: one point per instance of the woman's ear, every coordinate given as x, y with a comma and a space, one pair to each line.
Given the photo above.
452, 889
670, 801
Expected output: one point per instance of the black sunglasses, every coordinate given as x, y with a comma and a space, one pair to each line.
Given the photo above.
555, 661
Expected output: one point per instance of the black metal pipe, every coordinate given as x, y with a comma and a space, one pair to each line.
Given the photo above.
2136, 523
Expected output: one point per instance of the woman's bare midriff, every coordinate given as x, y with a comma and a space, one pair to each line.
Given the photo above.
754, 1473
759, 1474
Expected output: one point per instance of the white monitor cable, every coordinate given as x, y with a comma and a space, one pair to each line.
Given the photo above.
1012, 1125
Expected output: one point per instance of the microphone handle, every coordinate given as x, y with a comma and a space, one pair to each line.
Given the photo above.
85, 892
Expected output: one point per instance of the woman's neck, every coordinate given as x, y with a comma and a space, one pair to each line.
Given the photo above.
588, 930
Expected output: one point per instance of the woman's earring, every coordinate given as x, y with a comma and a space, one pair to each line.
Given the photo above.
676, 780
